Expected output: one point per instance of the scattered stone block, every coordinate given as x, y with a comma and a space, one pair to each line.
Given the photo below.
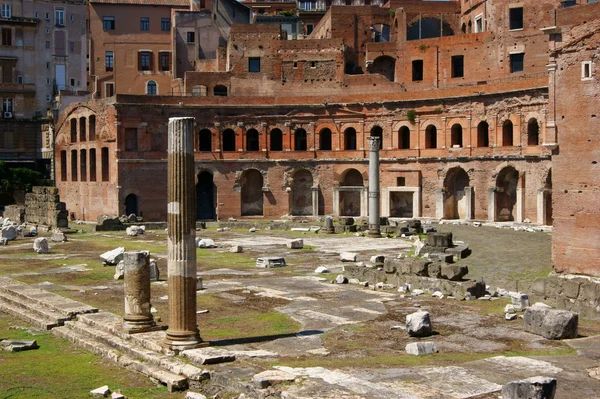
551, 323
340, 279
383, 286
40, 245
418, 246
108, 223
377, 259
520, 301
418, 324
348, 257
3, 241
295, 244
199, 284
17, 345
417, 292
530, 388
9, 232
194, 395
236, 249
270, 262
58, 236
117, 395
252, 230
510, 316
209, 355
454, 272
101, 392
120, 271
321, 269
272, 377
113, 257
438, 294
154, 272
421, 348
205, 243
353, 281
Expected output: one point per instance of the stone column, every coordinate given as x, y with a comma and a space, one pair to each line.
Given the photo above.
138, 317
491, 204
439, 204
315, 200
374, 220
329, 228
520, 205
181, 217
541, 207
469, 199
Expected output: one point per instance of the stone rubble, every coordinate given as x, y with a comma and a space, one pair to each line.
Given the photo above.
530, 388
113, 257
421, 348
551, 323
321, 269
236, 249
205, 243
194, 395
15, 345
101, 392
40, 245
295, 244
418, 324
348, 257
272, 377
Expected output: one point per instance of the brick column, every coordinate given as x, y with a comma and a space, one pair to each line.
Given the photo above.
181, 217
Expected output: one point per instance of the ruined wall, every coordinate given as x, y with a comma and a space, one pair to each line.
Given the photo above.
16, 213
576, 171
43, 206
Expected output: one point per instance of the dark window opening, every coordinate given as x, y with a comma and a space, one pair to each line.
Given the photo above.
145, 61
458, 66
92, 164
325, 140
431, 137
220, 91
63, 165
144, 23
400, 181
74, 165
533, 132
108, 23
205, 140
165, 24
109, 61
252, 140
254, 64
228, 140
377, 131
404, 138
191, 37
73, 130
276, 140
83, 165
92, 123
350, 139
105, 171
417, 70
456, 134
300, 141
82, 135
165, 61
131, 139
517, 62
507, 133
483, 137
516, 18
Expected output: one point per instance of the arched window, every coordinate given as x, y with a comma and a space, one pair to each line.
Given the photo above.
533, 132
252, 140
205, 140
92, 124
483, 134
73, 130
276, 140
228, 140
404, 138
325, 140
300, 140
220, 90
507, 133
350, 139
456, 135
151, 88
431, 137
82, 126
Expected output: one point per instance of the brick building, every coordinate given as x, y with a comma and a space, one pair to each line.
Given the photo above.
42, 51
459, 92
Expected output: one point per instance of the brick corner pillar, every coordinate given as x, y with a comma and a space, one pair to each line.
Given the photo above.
181, 218
138, 317
374, 220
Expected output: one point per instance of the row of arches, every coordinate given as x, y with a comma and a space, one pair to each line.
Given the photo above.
83, 129
204, 139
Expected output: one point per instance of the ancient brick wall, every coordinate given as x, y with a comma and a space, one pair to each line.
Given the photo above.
43, 206
575, 67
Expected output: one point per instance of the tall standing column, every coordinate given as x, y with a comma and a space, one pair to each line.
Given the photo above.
181, 217
374, 227
138, 317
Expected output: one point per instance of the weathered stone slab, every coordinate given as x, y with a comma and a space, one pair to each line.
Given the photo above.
236, 249
58, 237
9, 232
40, 245
551, 323
454, 272
421, 348
340, 279
205, 243
530, 388
272, 377
16, 345
194, 395
209, 355
270, 262
295, 244
519, 300
348, 257
113, 257
321, 269
101, 392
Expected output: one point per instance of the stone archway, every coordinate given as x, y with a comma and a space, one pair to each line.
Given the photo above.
132, 205
351, 186
301, 203
206, 192
456, 198
252, 194
506, 194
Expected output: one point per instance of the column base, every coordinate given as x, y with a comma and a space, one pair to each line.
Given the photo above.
327, 231
374, 234
184, 341
134, 329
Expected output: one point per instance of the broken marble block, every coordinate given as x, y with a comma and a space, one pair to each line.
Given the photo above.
205, 243
340, 279
551, 323
113, 257
321, 269
236, 249
58, 236
154, 272
17, 345
418, 324
519, 301
454, 272
530, 388
270, 262
348, 257
194, 395
272, 377
101, 392
295, 244
9, 232
421, 348
209, 355
120, 271
40, 245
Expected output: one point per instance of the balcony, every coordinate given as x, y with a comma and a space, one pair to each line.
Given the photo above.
19, 21
28, 88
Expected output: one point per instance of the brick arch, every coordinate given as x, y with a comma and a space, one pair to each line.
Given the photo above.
331, 126
288, 174
427, 122
397, 125
496, 171
442, 173
461, 121
369, 126
354, 125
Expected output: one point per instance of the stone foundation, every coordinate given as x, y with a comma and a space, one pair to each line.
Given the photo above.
43, 206
578, 293
16, 213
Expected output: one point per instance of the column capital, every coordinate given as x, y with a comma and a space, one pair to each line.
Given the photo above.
373, 143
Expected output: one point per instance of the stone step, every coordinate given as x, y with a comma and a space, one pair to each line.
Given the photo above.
111, 323
66, 306
127, 346
27, 315
43, 313
174, 382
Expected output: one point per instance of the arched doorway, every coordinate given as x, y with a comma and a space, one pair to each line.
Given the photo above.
131, 205
456, 204
385, 66
506, 194
252, 194
350, 197
205, 196
301, 195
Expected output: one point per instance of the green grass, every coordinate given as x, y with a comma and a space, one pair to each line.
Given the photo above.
59, 370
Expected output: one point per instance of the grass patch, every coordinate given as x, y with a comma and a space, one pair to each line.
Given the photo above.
58, 370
